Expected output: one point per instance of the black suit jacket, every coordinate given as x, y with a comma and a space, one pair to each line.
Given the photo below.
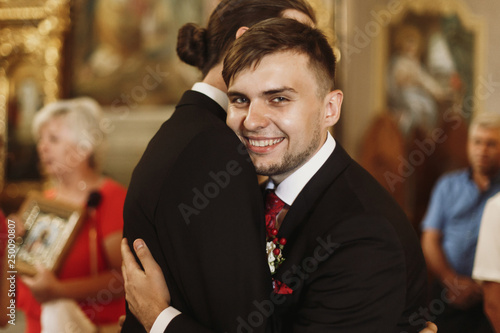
352, 258
195, 200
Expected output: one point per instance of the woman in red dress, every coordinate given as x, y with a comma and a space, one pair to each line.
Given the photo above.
69, 136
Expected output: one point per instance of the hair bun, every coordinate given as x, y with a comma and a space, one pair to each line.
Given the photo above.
192, 45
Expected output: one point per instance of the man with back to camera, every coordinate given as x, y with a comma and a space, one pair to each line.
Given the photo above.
451, 227
345, 258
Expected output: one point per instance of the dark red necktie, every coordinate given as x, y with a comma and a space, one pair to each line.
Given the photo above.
273, 206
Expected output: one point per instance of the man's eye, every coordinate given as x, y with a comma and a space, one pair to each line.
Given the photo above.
279, 99
239, 100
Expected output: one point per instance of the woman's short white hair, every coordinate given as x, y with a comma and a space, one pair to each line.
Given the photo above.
83, 117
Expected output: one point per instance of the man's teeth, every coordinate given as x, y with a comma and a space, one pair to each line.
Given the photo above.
265, 143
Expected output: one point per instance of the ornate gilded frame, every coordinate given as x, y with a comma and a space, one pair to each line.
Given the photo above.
31, 35
51, 227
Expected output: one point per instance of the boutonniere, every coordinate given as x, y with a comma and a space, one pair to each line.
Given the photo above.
274, 249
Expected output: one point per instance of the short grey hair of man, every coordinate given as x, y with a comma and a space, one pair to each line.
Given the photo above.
490, 120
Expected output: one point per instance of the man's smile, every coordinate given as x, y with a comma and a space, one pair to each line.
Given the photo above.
264, 142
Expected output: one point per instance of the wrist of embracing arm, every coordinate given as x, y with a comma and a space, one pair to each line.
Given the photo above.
164, 319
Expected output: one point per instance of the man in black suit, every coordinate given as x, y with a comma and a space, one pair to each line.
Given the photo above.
343, 255
194, 195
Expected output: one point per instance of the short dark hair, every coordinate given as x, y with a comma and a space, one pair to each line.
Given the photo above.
205, 47
282, 35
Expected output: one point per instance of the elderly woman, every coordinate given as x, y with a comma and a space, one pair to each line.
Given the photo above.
69, 137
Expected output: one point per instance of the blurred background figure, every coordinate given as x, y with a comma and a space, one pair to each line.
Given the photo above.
451, 228
69, 140
487, 260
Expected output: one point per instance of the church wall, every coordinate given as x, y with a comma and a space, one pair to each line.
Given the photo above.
360, 72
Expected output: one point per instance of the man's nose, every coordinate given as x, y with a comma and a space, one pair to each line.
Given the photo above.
257, 117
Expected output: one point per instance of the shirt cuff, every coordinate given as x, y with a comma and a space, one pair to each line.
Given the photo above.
164, 319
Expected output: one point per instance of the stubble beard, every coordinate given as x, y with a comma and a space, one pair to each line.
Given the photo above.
291, 162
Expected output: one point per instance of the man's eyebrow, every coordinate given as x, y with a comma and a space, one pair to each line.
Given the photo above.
279, 91
234, 94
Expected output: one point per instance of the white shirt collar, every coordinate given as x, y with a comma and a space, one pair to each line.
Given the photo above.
289, 189
214, 93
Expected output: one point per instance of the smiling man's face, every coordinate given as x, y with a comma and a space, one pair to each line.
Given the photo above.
277, 112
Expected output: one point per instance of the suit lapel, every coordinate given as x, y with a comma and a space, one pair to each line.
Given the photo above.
303, 206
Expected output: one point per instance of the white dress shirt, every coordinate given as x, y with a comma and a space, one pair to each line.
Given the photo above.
214, 93
289, 189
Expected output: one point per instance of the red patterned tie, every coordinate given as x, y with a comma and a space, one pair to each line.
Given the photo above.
273, 206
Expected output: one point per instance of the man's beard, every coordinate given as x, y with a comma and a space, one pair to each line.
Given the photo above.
291, 162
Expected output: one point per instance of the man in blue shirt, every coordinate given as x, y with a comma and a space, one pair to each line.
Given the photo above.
451, 227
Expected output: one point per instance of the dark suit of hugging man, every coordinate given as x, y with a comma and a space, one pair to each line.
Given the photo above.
352, 262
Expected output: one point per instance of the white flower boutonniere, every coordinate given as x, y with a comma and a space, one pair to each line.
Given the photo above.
274, 249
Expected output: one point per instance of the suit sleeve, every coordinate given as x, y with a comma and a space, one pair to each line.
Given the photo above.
354, 280
138, 224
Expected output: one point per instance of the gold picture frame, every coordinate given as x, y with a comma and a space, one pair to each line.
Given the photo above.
32, 34
51, 227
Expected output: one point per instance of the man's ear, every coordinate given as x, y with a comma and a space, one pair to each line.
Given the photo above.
333, 101
241, 31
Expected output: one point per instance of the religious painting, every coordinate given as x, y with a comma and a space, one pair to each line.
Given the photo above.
428, 64
124, 51
430, 68
51, 227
